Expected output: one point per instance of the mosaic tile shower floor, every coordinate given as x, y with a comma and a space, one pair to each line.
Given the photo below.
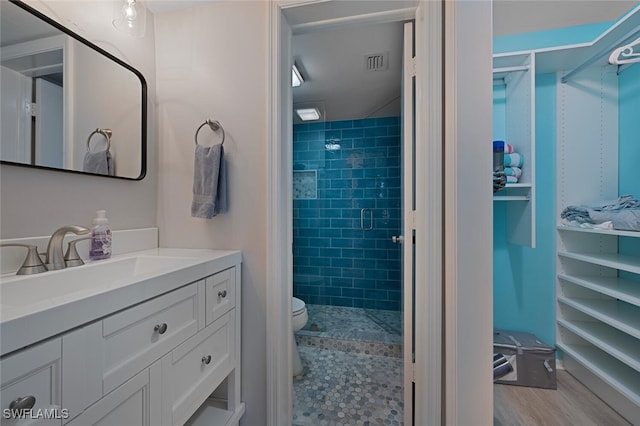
342, 383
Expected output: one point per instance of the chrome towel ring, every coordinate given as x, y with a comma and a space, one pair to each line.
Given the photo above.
214, 125
107, 133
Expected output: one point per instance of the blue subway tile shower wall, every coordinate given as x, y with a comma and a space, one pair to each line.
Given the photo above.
336, 260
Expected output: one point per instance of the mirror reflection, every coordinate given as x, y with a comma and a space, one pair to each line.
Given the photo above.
66, 103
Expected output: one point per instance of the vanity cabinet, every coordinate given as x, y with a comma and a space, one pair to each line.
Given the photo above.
153, 363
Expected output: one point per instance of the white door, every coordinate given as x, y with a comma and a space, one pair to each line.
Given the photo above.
48, 124
408, 208
15, 122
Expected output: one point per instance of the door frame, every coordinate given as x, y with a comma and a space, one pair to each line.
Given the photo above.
428, 373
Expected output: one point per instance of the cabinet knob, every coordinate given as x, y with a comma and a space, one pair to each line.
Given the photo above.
24, 403
222, 294
206, 359
160, 328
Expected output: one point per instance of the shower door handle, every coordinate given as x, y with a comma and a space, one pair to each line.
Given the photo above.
363, 212
397, 239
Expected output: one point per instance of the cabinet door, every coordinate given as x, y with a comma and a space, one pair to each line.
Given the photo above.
31, 380
196, 368
220, 294
135, 403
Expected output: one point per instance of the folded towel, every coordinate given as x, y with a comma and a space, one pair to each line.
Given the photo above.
512, 179
209, 182
513, 171
624, 220
508, 148
99, 162
513, 160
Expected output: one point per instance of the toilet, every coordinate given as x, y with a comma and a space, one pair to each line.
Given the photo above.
300, 317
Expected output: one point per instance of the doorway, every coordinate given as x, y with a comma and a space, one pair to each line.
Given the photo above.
424, 366
347, 214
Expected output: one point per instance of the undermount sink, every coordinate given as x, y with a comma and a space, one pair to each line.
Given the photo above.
72, 283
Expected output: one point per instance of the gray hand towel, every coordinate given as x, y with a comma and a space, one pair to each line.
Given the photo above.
99, 162
209, 182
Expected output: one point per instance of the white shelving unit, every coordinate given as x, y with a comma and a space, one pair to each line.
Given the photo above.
597, 287
514, 104
598, 314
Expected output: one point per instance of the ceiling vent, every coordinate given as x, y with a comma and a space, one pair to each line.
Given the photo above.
377, 62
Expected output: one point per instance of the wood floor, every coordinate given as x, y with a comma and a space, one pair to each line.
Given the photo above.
571, 404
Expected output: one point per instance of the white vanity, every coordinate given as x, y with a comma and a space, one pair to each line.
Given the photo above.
146, 338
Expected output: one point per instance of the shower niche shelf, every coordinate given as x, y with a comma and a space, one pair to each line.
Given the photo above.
305, 184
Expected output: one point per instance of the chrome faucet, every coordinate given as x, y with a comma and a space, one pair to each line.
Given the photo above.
55, 255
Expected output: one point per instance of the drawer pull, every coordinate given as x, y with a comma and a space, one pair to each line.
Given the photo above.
160, 328
222, 294
24, 403
206, 359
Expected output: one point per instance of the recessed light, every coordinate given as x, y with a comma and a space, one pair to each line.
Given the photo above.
308, 114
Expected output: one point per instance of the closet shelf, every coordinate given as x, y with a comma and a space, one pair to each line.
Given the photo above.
616, 374
614, 232
619, 315
618, 288
511, 198
514, 192
616, 343
609, 260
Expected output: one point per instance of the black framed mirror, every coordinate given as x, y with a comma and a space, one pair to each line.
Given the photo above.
67, 104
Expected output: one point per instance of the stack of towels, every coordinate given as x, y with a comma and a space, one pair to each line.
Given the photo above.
622, 213
512, 164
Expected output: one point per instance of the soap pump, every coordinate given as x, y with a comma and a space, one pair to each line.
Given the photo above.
100, 237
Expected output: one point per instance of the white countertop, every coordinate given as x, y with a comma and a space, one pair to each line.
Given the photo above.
57, 301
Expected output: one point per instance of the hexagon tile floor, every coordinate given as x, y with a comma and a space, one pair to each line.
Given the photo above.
343, 385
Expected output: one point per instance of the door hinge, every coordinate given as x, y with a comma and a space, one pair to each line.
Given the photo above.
413, 372
411, 65
32, 109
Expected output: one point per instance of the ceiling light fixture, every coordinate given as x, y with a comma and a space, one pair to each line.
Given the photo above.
130, 17
296, 77
308, 114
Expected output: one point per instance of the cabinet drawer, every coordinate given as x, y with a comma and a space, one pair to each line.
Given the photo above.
136, 337
196, 368
220, 291
33, 373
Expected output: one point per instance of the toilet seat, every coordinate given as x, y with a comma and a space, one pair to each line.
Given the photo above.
297, 306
